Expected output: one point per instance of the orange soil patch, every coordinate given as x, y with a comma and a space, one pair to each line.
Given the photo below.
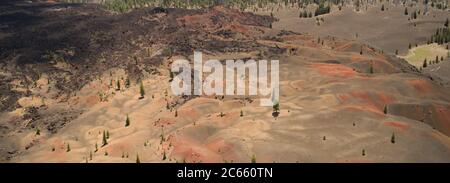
385, 99
189, 113
357, 58
239, 28
443, 115
222, 147
344, 98
335, 70
400, 125
362, 107
165, 122
92, 100
344, 46
192, 151
420, 85
366, 101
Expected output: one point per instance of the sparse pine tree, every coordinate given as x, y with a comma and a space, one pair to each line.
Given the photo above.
68, 147
127, 122
253, 160
107, 134
276, 107
106, 153
90, 155
324, 138
446, 23
118, 85
137, 159
393, 138
363, 153
396, 52
142, 90
425, 64
385, 110
437, 59
406, 11
361, 51
371, 71
176, 113
409, 46
105, 140
164, 156
96, 147
242, 113
382, 7
38, 132
127, 82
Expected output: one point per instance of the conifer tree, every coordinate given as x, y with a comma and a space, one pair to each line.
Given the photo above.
105, 140
68, 147
127, 122
127, 82
142, 90
393, 138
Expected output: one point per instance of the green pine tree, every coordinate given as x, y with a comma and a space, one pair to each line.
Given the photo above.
127, 122
253, 160
105, 140
393, 138
142, 90
127, 82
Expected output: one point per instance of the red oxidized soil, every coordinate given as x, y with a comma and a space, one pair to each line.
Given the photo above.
399, 125
420, 85
335, 70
